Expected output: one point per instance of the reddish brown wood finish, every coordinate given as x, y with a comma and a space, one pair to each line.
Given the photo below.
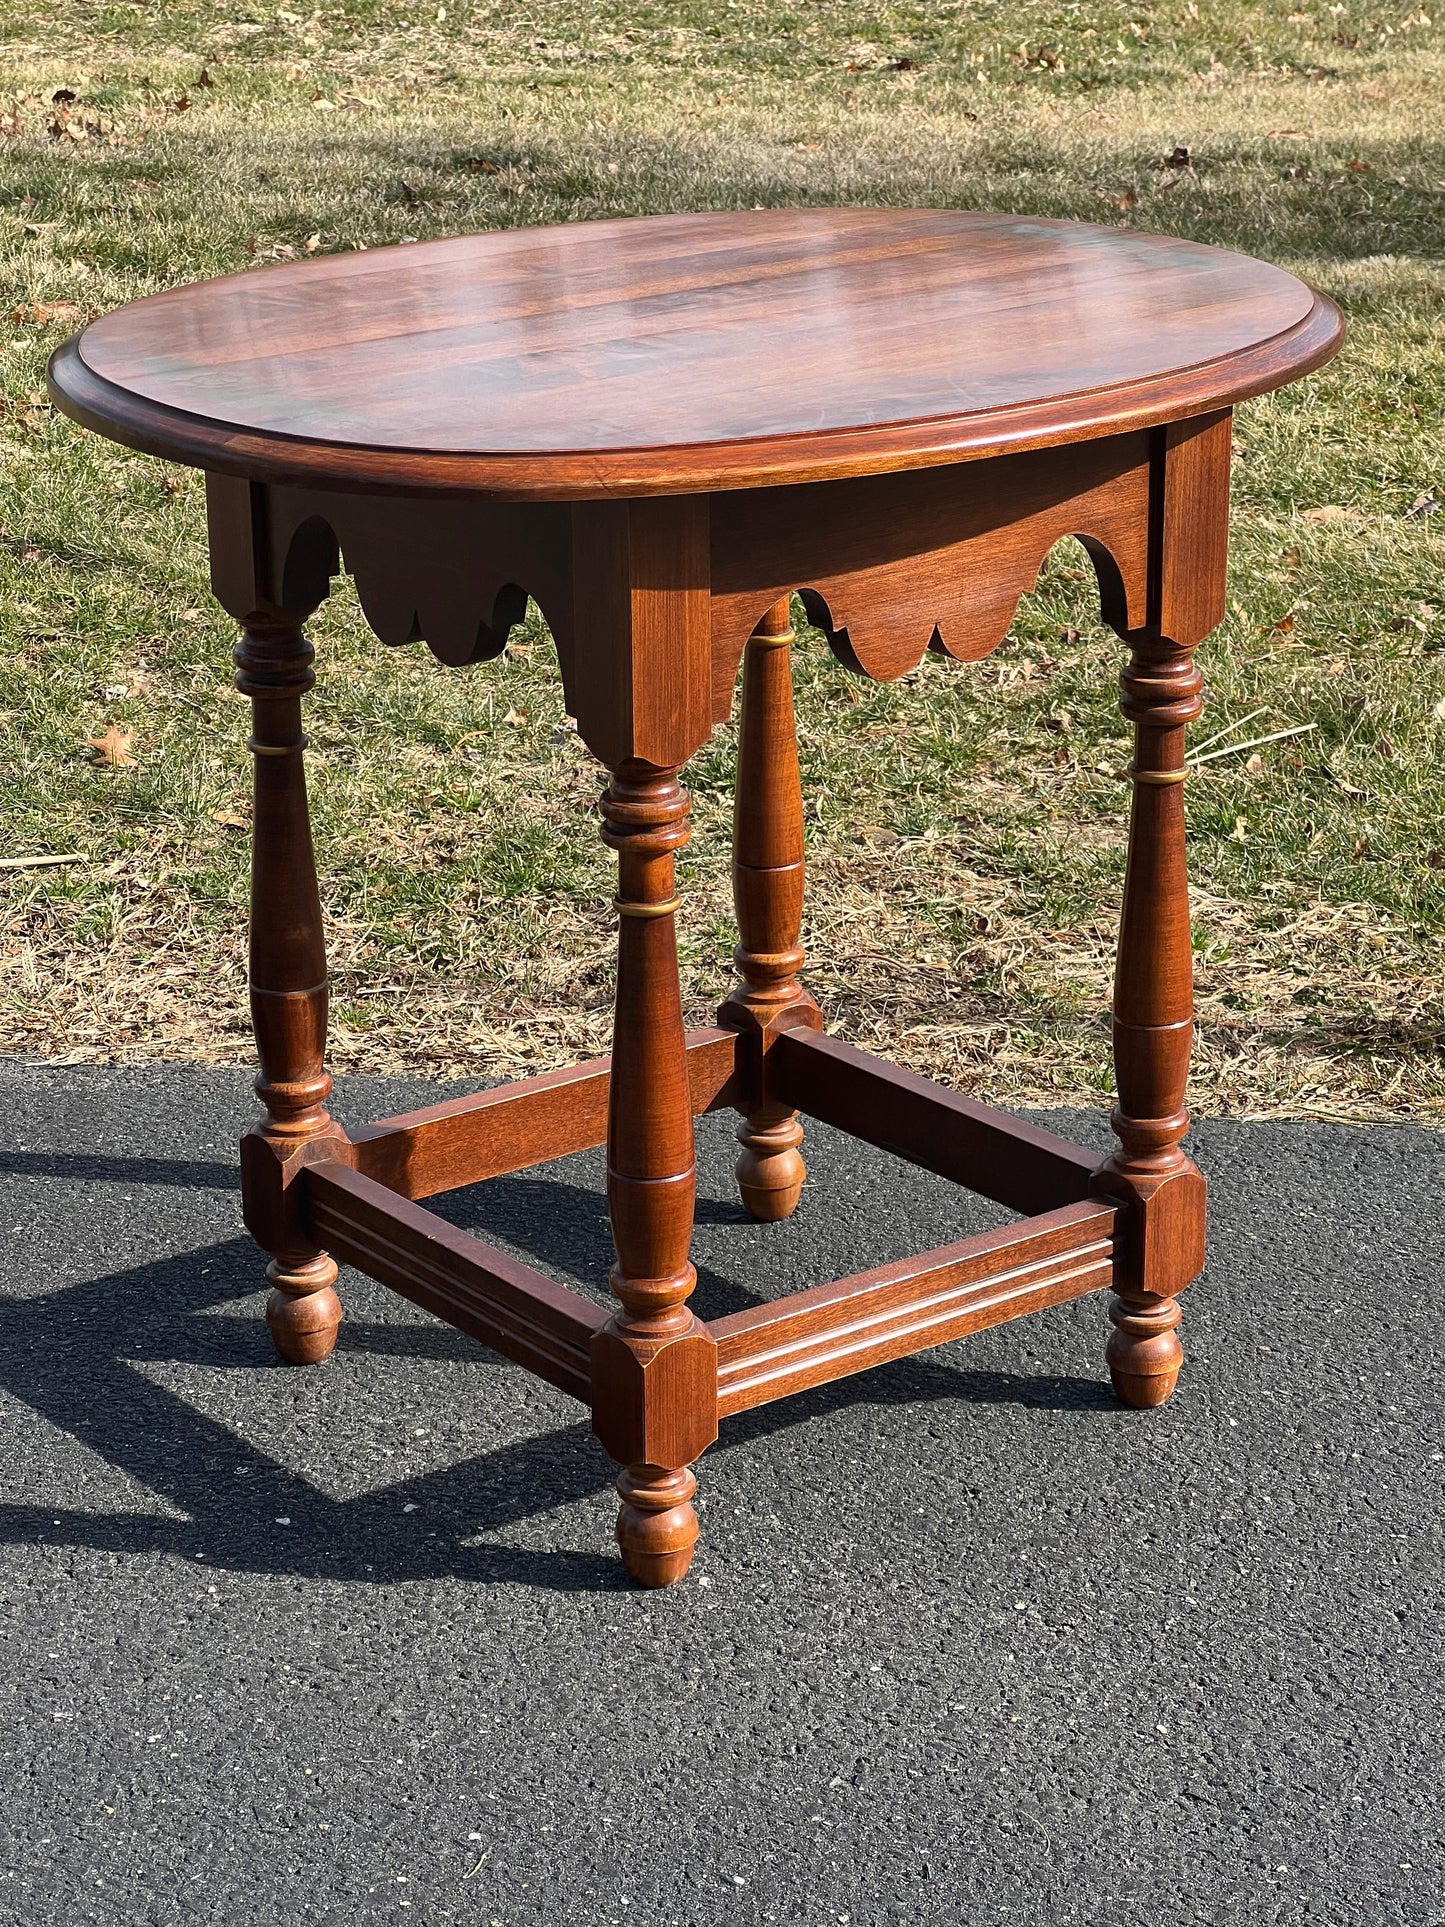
654, 1365
768, 898
662, 429
515, 1310
626, 357
890, 566
288, 987
470, 1139
642, 688
772, 1351
1000, 1157
1153, 985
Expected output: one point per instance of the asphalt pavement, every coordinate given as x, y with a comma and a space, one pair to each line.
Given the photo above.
963, 1642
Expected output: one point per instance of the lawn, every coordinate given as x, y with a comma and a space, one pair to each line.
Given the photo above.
966, 826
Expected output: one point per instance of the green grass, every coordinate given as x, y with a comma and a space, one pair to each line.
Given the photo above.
965, 824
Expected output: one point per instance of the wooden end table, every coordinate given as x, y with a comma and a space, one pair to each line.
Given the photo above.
661, 429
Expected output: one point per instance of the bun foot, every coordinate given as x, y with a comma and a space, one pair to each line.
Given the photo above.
657, 1527
1144, 1355
303, 1310
770, 1171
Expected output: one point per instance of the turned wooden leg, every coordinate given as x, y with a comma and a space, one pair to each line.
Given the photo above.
768, 894
654, 1364
1153, 1031
288, 992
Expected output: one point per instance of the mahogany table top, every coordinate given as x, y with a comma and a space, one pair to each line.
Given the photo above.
689, 352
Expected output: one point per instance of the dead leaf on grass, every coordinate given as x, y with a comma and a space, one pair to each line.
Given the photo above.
112, 749
32, 314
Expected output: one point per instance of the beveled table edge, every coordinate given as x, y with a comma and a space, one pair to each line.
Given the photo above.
765, 462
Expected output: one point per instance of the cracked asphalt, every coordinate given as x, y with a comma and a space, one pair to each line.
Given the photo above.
963, 1641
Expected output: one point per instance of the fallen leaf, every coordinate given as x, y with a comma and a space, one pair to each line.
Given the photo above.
1127, 201
231, 820
112, 750
1285, 625
1332, 513
1424, 504
64, 97
313, 242
516, 717
1255, 764
203, 79
1180, 157
37, 313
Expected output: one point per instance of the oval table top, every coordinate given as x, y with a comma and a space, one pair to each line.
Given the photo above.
689, 352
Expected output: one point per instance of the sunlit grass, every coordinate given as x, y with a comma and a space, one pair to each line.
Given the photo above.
966, 826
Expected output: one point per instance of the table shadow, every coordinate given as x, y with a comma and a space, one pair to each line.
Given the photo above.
78, 1356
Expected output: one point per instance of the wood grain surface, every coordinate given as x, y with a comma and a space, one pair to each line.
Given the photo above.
693, 352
